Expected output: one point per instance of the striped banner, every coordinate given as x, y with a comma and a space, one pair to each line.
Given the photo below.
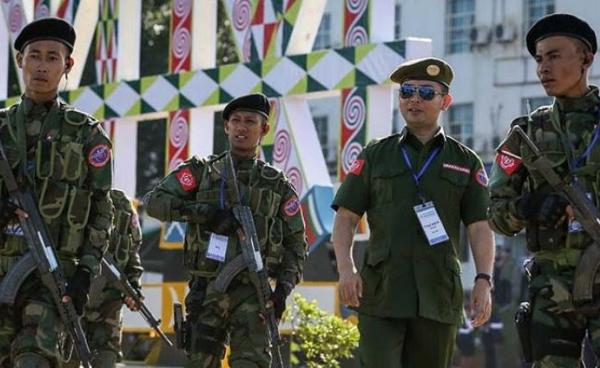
41, 9
106, 41
67, 10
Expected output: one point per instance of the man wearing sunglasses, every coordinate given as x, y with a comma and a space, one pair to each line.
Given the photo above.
416, 188
567, 134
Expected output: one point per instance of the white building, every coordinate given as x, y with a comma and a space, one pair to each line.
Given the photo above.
483, 40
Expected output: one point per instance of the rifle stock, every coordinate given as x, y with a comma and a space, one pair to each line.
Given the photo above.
43, 251
585, 212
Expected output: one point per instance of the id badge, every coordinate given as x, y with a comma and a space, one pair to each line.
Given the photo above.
431, 223
217, 247
574, 225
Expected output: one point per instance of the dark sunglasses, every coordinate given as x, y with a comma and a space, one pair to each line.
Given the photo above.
425, 92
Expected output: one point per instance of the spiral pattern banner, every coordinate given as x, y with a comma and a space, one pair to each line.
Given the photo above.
182, 8
181, 36
352, 138
282, 148
15, 18
356, 22
354, 112
295, 177
357, 36
178, 138
241, 14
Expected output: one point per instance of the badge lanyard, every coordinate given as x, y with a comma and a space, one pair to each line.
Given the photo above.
576, 163
417, 176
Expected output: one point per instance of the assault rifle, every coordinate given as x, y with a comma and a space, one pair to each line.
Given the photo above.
42, 254
109, 265
585, 212
253, 261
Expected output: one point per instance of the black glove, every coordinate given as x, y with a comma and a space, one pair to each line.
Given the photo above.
278, 299
7, 212
541, 208
78, 288
220, 221
223, 222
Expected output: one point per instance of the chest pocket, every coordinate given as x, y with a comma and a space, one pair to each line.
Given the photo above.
385, 184
550, 144
264, 203
455, 184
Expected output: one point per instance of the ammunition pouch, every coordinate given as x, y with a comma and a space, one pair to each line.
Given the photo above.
523, 326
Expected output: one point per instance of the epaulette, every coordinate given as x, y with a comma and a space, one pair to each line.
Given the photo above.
541, 111
212, 158
76, 117
269, 172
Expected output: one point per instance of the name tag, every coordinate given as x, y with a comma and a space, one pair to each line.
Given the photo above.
14, 229
431, 223
574, 225
217, 247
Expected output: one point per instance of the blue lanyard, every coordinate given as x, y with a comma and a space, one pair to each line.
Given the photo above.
588, 149
417, 176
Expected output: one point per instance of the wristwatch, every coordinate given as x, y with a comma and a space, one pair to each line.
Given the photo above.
487, 277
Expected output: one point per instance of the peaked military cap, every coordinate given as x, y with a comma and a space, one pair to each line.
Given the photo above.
430, 68
561, 25
46, 29
255, 102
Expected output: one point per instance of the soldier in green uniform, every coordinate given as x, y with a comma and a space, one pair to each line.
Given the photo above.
416, 187
200, 193
64, 157
566, 132
103, 319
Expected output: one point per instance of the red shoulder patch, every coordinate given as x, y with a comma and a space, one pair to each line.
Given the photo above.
186, 179
99, 155
508, 163
291, 206
481, 177
356, 167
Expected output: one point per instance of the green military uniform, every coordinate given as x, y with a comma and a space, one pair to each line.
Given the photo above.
563, 131
557, 250
213, 316
408, 283
63, 155
103, 318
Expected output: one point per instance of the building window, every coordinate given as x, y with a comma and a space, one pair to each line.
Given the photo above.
529, 104
397, 16
460, 16
460, 123
535, 9
323, 39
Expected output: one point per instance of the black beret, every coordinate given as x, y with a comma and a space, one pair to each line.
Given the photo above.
46, 29
255, 102
430, 68
561, 25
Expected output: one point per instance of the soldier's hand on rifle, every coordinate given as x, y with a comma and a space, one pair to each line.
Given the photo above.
8, 211
129, 301
223, 222
78, 289
277, 301
546, 209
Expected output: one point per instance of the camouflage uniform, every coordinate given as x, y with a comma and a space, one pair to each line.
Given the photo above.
215, 317
63, 156
562, 131
103, 319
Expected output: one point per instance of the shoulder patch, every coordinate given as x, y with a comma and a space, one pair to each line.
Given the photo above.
508, 162
356, 167
291, 207
186, 179
99, 155
481, 177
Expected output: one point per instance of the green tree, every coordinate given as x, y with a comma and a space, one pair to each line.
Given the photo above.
321, 337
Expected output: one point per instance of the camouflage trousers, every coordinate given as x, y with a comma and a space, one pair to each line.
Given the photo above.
232, 316
30, 330
102, 322
557, 330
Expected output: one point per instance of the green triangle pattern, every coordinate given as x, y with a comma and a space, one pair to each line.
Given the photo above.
109, 88
300, 60
314, 57
213, 74
184, 77
135, 85
362, 79
224, 97
184, 103
399, 47
173, 104
347, 53
348, 80
214, 98
135, 109
146, 108
269, 91
146, 82
173, 79
313, 85
225, 71
362, 51
300, 87
255, 67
